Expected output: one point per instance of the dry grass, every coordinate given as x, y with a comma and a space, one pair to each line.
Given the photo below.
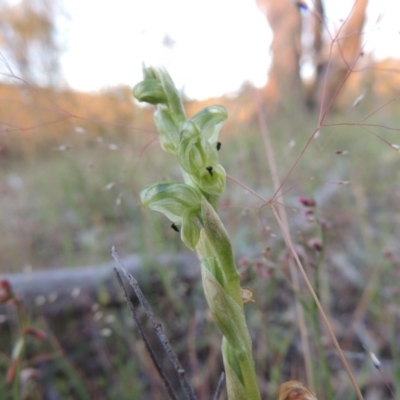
75, 196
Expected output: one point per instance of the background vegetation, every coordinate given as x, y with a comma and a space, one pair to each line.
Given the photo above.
72, 165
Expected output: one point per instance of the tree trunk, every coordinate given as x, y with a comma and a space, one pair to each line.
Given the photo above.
345, 52
75, 290
284, 90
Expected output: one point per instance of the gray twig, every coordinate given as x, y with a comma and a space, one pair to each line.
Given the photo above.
187, 388
149, 349
220, 386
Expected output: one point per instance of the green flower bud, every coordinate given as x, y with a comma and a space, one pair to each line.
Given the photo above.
190, 231
211, 180
149, 72
171, 198
190, 130
158, 88
169, 132
195, 153
180, 203
210, 121
174, 101
150, 91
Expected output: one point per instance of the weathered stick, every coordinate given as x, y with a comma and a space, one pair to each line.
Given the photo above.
157, 327
75, 290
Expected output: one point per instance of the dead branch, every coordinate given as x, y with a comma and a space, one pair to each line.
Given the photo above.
75, 290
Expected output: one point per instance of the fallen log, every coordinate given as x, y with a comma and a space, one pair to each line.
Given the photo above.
75, 290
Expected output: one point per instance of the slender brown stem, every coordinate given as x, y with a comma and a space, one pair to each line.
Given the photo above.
289, 243
282, 212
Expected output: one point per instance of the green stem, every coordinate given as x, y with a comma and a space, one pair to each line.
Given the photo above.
222, 291
323, 368
23, 319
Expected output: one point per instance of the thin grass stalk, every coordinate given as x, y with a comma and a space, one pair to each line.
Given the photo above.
324, 383
289, 243
323, 365
282, 212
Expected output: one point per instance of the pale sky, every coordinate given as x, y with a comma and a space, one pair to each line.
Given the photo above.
217, 44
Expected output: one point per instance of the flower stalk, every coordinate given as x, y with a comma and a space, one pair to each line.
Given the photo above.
192, 208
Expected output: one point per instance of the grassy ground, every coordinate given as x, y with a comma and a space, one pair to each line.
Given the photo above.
68, 207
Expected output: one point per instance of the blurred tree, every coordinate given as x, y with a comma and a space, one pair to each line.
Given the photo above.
346, 50
285, 89
28, 40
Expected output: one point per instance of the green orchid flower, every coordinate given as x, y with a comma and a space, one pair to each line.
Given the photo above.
180, 203
195, 153
191, 207
210, 121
